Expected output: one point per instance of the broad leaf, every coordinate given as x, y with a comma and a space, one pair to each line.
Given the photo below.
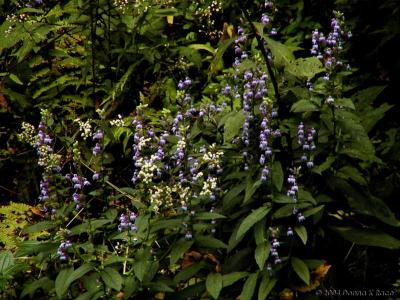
6, 260
301, 231
179, 249
303, 106
261, 254
301, 269
249, 287
266, 286
368, 237
231, 278
214, 284
111, 278
251, 219
277, 175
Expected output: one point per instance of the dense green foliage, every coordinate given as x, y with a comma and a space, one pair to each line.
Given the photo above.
162, 149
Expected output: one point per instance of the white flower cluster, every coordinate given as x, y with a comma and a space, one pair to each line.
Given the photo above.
121, 4
184, 193
181, 143
28, 134
162, 196
117, 122
142, 142
209, 186
84, 127
213, 157
47, 158
147, 168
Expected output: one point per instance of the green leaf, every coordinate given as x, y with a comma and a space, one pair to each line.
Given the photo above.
367, 237
208, 216
277, 175
67, 276
282, 54
62, 284
324, 166
301, 231
251, 188
345, 103
234, 239
209, 242
41, 226
282, 199
301, 269
287, 210
233, 124
259, 232
6, 260
159, 286
231, 278
15, 78
372, 117
140, 268
189, 272
91, 225
312, 211
29, 289
350, 172
266, 286
130, 286
205, 47
261, 254
214, 284
303, 106
111, 278
231, 198
165, 224
305, 196
179, 249
305, 68
365, 204
218, 62
249, 287
252, 219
